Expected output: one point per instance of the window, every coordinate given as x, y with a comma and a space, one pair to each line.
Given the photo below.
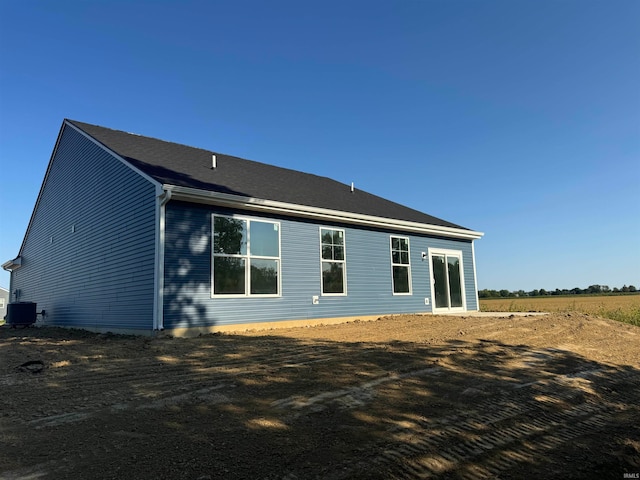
400, 265
246, 257
333, 262
447, 279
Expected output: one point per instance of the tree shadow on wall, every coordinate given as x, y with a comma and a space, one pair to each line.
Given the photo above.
187, 266
189, 272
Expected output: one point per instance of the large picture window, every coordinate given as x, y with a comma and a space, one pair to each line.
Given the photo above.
400, 265
246, 256
333, 262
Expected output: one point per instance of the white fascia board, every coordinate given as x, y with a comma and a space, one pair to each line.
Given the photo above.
282, 208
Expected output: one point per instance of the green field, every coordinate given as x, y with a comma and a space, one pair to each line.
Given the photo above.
624, 308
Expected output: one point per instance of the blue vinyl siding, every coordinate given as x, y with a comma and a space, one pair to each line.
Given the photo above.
88, 257
187, 294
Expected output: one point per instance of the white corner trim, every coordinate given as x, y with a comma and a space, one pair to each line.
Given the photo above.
475, 275
324, 214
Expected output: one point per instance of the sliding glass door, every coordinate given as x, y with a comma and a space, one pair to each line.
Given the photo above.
447, 280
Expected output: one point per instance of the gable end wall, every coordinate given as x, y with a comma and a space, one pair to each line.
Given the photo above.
88, 257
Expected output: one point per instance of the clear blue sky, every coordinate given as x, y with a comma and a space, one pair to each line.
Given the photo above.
517, 118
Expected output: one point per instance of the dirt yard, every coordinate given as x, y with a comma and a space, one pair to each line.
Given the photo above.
533, 397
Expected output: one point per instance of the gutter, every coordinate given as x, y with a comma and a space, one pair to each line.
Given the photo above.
271, 206
12, 265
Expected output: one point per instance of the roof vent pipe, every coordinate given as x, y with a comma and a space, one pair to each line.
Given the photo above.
213, 162
352, 187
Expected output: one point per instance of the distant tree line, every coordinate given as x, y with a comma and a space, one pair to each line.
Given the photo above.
591, 290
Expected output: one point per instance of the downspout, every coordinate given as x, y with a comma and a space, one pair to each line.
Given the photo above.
158, 318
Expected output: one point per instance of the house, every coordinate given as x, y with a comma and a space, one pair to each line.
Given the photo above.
136, 234
4, 300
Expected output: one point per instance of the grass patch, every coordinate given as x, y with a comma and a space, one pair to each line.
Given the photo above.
626, 315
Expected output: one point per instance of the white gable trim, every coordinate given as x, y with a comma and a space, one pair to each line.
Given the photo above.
44, 182
66, 123
115, 155
282, 208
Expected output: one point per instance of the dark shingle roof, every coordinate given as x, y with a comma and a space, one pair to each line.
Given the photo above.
175, 164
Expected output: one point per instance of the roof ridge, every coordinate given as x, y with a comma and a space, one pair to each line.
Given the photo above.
80, 124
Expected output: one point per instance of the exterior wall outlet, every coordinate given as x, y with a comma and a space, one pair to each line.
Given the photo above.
426, 301
315, 300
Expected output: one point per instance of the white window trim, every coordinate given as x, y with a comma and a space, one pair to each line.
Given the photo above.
457, 253
407, 265
344, 262
247, 257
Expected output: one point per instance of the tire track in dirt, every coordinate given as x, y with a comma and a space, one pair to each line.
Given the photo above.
497, 435
348, 397
153, 383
